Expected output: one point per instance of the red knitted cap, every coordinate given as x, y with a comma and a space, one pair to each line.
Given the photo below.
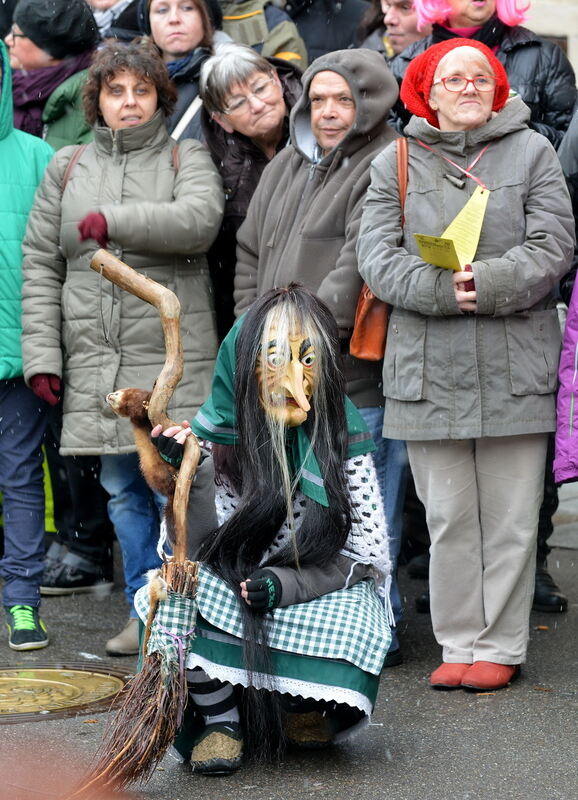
417, 83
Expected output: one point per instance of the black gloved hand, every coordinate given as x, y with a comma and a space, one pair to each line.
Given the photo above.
169, 449
264, 590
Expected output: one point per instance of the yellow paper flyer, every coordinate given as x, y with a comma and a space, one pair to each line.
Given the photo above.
437, 250
458, 243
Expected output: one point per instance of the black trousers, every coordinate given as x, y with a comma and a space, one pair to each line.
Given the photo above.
80, 502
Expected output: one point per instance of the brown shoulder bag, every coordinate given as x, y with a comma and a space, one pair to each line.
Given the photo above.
371, 315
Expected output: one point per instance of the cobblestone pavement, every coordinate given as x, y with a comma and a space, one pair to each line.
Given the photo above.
516, 744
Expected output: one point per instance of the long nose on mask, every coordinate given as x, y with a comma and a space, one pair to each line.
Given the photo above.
293, 383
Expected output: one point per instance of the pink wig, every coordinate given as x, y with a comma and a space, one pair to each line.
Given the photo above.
429, 11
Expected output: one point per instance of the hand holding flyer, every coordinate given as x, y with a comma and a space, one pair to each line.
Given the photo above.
457, 245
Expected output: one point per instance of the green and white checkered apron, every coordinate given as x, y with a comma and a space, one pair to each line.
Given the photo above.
330, 648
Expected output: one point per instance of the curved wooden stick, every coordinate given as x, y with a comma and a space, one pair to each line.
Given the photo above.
169, 308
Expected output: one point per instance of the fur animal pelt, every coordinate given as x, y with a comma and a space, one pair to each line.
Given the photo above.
160, 476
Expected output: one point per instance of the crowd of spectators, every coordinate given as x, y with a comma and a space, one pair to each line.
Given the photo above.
228, 148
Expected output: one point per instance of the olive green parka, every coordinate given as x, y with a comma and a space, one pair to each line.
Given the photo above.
493, 372
161, 221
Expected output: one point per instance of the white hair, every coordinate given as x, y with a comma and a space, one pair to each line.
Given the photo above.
232, 63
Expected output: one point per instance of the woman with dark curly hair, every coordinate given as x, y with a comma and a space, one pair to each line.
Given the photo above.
159, 207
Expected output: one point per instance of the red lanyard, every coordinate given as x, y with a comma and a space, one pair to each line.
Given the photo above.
457, 166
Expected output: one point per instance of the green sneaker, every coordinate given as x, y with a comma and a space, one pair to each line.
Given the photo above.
26, 629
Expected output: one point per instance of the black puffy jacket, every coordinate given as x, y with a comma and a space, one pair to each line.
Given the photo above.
326, 25
538, 70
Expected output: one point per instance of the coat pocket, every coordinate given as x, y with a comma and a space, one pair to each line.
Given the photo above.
534, 341
403, 364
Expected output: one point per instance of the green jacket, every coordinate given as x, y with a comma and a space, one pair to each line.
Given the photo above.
63, 115
23, 159
98, 338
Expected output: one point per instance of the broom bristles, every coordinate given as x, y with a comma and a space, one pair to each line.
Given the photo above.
142, 731
146, 723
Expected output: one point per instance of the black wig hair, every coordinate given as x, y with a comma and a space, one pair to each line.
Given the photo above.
252, 467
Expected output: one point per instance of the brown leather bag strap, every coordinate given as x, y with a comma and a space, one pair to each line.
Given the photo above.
70, 166
402, 170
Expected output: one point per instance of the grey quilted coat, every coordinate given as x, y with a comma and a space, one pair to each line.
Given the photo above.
161, 221
446, 374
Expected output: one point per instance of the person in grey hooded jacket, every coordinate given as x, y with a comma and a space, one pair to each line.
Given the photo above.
303, 220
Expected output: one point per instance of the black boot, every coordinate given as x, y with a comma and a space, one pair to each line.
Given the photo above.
422, 602
418, 566
547, 595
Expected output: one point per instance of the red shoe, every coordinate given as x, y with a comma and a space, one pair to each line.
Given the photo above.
448, 676
487, 676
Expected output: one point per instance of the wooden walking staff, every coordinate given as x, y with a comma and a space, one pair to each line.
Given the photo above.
154, 701
169, 308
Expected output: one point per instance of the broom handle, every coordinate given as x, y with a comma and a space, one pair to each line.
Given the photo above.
169, 308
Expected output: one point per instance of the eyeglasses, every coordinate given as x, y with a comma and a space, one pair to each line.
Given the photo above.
15, 35
457, 83
262, 91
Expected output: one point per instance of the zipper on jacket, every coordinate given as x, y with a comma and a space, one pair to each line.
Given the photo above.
114, 151
572, 395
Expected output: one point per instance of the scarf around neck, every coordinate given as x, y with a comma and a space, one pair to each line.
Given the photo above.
491, 33
216, 422
31, 90
104, 19
188, 67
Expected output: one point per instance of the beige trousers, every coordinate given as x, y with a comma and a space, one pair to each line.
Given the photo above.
482, 498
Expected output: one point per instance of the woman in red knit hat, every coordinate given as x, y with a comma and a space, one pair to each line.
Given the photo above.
470, 366
537, 69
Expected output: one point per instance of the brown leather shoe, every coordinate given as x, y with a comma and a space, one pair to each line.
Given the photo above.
126, 642
448, 676
486, 676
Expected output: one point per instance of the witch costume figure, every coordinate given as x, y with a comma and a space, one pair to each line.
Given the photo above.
287, 526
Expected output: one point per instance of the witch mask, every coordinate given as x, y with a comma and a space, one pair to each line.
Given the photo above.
286, 372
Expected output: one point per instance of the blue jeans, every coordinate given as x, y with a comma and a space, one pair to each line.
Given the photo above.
135, 511
391, 465
23, 418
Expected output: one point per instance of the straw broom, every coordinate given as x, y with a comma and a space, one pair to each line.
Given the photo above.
154, 700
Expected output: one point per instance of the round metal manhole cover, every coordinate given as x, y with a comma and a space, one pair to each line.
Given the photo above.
48, 691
